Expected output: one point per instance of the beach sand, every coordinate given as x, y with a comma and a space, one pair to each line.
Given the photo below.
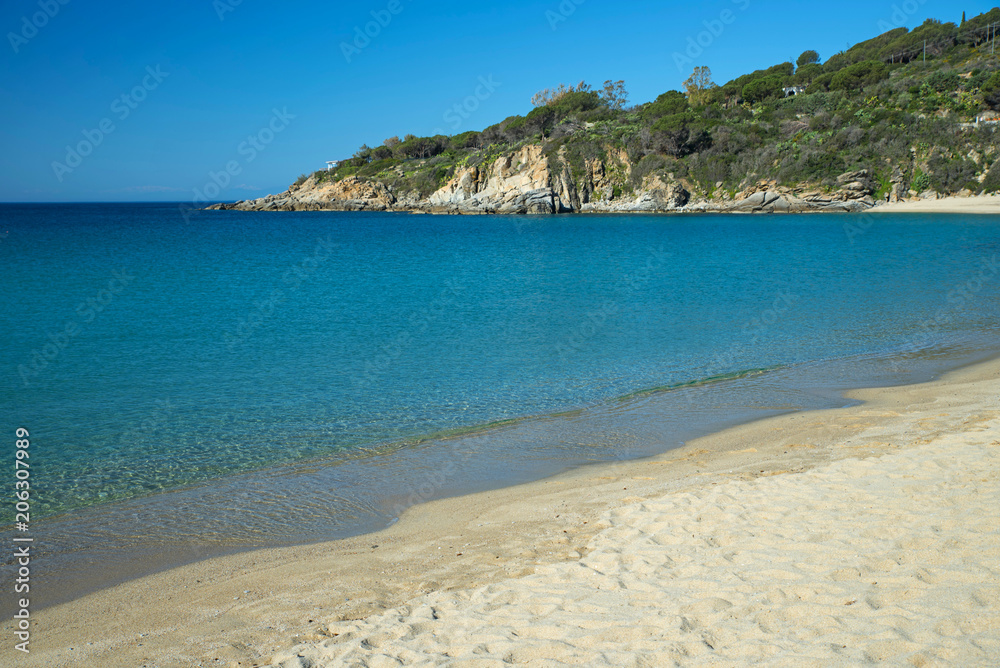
841, 537
980, 204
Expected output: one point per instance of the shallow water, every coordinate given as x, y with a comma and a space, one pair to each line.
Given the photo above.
243, 380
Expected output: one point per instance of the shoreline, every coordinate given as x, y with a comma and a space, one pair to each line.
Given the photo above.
986, 204
113, 528
244, 607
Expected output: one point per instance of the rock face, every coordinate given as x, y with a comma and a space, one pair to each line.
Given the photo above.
853, 195
517, 183
527, 181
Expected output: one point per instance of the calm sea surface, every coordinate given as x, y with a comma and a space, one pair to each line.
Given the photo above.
238, 380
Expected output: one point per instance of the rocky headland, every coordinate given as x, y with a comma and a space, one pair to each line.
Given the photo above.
524, 182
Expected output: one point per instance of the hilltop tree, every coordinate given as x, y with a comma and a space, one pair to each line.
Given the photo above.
540, 120
614, 94
809, 57
699, 85
548, 96
392, 142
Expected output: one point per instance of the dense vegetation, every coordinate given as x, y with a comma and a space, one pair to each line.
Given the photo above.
886, 104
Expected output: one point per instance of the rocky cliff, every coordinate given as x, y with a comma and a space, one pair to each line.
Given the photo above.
526, 181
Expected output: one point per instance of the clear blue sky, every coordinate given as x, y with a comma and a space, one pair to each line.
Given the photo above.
197, 86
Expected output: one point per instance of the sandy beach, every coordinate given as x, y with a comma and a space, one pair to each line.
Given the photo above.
952, 204
867, 534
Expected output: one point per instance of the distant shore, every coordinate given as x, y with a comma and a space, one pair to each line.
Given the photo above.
849, 517
950, 204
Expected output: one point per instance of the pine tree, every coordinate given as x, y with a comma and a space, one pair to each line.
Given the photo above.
963, 20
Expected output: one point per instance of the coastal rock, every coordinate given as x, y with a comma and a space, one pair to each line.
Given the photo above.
772, 201
521, 182
859, 182
897, 193
349, 194
655, 196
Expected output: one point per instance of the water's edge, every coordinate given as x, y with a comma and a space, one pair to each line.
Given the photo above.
99, 547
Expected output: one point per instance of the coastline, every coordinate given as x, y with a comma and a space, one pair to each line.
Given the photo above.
240, 609
988, 204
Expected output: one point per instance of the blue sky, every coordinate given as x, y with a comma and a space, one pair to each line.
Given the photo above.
165, 98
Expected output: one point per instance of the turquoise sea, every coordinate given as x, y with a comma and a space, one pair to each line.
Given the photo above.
220, 381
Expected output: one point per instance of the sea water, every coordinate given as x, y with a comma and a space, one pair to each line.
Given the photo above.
225, 380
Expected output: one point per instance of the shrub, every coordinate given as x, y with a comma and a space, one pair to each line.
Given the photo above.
807, 73
709, 169
991, 91
991, 183
373, 168
943, 82
819, 166
921, 181
680, 134
859, 75
648, 165
469, 139
762, 89
951, 175
541, 120
575, 102
821, 83
671, 102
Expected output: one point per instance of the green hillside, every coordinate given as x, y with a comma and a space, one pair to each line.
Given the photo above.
902, 105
